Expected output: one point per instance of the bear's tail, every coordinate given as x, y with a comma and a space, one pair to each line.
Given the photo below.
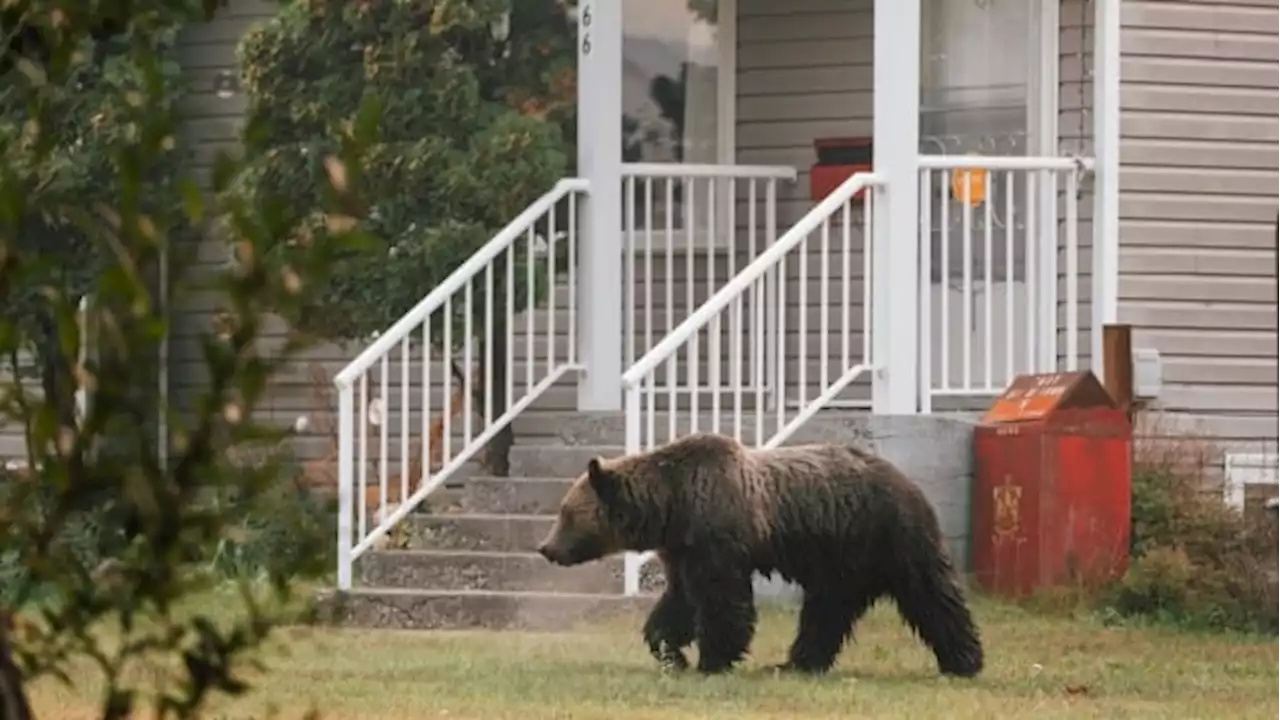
930, 599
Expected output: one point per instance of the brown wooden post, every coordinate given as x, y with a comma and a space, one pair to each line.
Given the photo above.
1117, 365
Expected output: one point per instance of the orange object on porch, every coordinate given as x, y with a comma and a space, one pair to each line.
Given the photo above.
1051, 488
975, 179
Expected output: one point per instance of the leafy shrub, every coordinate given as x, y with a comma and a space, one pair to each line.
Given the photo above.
287, 527
1195, 561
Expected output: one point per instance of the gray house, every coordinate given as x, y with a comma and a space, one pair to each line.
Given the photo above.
877, 216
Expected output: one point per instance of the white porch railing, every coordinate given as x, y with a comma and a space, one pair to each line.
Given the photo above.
1000, 272
752, 307
686, 230
538, 252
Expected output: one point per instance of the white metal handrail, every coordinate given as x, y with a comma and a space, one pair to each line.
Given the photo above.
744, 279
545, 362
990, 233
452, 284
687, 228
762, 286
740, 172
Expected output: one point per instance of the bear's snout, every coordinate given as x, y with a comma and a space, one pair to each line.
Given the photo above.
545, 551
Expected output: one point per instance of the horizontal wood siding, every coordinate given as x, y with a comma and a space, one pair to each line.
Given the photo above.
1198, 209
805, 72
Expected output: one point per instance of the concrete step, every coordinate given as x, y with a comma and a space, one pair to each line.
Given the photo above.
566, 461
462, 570
389, 608
472, 532
513, 495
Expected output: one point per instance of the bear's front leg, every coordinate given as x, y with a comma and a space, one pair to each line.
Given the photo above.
669, 628
724, 611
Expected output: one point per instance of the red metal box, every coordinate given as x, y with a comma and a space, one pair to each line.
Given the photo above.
1051, 490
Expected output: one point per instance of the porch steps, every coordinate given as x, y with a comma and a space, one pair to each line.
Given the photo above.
468, 559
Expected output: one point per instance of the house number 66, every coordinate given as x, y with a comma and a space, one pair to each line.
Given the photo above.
585, 22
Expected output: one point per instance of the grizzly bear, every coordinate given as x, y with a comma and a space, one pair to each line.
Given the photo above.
845, 525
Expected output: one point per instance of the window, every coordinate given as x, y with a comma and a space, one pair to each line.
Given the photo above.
676, 71
677, 107
978, 76
980, 93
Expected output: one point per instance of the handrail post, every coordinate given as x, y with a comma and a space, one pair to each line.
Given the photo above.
346, 483
632, 562
600, 162
894, 322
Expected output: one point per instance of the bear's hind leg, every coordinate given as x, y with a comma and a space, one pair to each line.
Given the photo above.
826, 622
669, 628
931, 601
724, 612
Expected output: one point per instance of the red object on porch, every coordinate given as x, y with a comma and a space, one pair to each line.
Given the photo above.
1052, 484
838, 158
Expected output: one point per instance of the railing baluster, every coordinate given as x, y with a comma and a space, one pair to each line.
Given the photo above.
468, 310
689, 252
383, 428
987, 251
510, 324
1073, 273
426, 401
629, 272
573, 279
780, 352
713, 334
868, 254
551, 291
926, 294
1031, 274
404, 419
362, 465
446, 382
944, 287
824, 287
735, 368
966, 300
1050, 285
672, 379
846, 283
713, 370
488, 346
759, 289
530, 306
648, 263
1009, 370
773, 292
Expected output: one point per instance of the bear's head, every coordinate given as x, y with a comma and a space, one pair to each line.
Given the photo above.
603, 513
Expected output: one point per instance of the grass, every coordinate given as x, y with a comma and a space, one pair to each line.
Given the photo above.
1038, 666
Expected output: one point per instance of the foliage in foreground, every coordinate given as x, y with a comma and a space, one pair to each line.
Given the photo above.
111, 522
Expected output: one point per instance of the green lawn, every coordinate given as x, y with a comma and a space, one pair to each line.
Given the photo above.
1036, 667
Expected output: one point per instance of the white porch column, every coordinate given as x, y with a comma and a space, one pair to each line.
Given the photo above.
895, 317
1106, 173
600, 245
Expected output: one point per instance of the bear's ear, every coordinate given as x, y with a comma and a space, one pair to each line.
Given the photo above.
603, 483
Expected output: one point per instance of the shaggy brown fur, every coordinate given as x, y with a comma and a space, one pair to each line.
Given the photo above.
846, 525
